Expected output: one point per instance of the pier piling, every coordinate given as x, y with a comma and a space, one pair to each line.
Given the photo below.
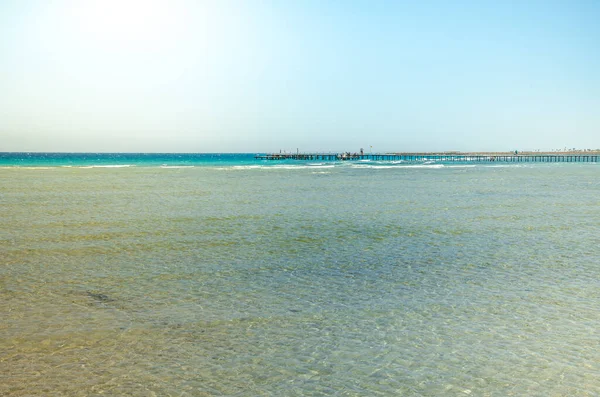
464, 157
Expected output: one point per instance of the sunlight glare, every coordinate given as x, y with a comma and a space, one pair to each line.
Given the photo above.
128, 23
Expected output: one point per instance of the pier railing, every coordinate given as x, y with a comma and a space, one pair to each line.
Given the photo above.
515, 158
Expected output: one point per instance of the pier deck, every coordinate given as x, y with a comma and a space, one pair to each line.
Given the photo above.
463, 157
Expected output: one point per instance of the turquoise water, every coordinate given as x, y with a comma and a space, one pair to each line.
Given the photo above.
244, 278
124, 159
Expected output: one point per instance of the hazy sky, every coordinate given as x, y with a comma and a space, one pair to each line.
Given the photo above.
259, 76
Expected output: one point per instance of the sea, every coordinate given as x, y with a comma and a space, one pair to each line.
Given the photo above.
223, 275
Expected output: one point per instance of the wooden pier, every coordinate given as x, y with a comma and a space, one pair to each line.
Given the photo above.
464, 157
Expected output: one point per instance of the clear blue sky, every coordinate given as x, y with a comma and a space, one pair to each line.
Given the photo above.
256, 76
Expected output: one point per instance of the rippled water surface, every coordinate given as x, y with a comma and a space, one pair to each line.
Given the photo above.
308, 281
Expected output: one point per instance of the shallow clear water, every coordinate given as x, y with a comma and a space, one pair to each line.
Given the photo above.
300, 280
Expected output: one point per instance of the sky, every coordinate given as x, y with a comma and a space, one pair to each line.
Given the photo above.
308, 75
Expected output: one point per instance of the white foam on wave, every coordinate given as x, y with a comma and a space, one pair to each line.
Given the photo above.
299, 167
243, 167
311, 166
424, 166
392, 166
377, 167
108, 166
176, 166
